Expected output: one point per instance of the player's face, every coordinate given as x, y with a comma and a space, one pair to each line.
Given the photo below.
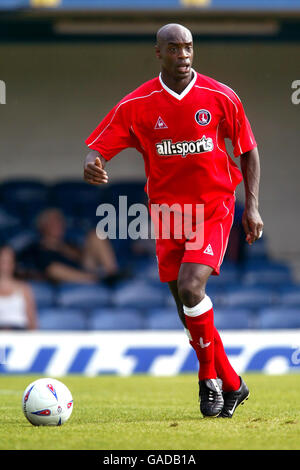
176, 58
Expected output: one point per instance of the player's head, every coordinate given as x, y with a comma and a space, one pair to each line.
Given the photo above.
174, 48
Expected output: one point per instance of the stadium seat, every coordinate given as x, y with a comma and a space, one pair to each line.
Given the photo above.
133, 190
233, 319
229, 274
122, 249
85, 296
257, 251
147, 268
115, 319
24, 198
163, 319
138, 293
77, 198
272, 273
279, 318
21, 239
44, 294
8, 220
248, 296
12, 3
62, 319
289, 295
24, 191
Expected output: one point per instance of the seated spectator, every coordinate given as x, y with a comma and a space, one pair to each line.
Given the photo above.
17, 304
61, 261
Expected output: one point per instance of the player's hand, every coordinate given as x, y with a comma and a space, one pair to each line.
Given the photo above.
253, 225
94, 173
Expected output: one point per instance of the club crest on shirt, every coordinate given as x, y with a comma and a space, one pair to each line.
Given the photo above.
203, 117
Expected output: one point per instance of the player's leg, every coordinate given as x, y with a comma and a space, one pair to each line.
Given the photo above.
224, 370
174, 290
198, 314
235, 391
215, 242
217, 230
230, 379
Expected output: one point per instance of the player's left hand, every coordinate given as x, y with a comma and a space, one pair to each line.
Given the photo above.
253, 225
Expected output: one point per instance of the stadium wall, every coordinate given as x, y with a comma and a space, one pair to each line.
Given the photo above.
57, 93
155, 352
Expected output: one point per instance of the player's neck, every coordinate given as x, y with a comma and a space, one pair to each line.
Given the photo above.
177, 85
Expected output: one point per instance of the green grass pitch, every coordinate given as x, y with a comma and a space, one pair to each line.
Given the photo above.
155, 413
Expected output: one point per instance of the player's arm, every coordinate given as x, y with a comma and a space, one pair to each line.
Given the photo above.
252, 222
94, 172
30, 307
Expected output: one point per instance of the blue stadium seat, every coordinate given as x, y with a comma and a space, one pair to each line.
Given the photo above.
23, 191
273, 273
248, 296
146, 268
279, 318
133, 190
44, 293
163, 319
7, 219
24, 198
85, 296
62, 319
132, 193
115, 319
77, 198
233, 319
258, 251
138, 293
289, 295
21, 238
11, 4
229, 274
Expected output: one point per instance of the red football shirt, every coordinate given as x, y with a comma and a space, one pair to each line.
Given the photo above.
181, 138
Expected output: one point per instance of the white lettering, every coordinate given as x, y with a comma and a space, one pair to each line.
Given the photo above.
2, 92
296, 94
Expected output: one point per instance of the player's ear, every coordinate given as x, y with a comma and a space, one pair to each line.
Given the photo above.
157, 51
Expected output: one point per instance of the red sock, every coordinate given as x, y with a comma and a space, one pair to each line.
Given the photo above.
225, 371
200, 323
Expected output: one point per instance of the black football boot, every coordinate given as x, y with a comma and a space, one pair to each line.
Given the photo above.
233, 399
211, 398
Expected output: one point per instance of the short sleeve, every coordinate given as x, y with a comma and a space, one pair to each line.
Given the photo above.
238, 128
113, 134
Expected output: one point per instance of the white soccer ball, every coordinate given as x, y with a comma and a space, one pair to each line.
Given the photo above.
47, 402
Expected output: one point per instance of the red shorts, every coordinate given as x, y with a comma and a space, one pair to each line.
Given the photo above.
172, 252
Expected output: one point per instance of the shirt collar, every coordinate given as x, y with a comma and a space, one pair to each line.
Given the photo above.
184, 92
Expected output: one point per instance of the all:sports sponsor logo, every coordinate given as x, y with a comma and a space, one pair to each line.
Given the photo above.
167, 148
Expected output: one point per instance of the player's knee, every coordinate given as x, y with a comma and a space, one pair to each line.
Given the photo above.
191, 292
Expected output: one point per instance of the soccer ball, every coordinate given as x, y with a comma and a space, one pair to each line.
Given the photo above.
47, 402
